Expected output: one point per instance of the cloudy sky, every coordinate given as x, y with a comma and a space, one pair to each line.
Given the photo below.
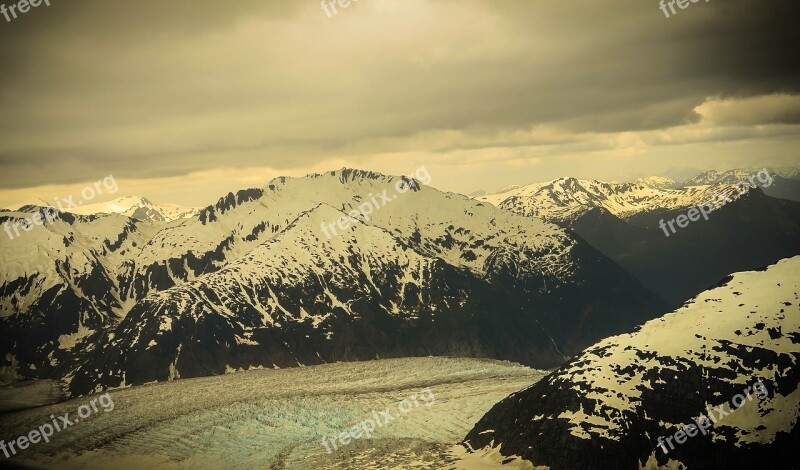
185, 100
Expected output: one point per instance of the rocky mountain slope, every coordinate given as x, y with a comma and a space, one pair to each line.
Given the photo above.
616, 404
753, 231
254, 281
59, 288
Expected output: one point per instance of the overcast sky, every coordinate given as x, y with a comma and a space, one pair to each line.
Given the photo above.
185, 100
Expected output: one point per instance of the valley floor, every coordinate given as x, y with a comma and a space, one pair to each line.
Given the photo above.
276, 419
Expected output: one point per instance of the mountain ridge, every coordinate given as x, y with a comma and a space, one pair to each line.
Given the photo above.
541, 278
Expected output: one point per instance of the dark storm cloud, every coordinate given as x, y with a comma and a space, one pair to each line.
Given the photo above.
622, 61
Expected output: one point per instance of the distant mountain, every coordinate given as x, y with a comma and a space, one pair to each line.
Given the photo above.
138, 208
566, 199
719, 177
616, 404
253, 281
490, 194
783, 183
790, 173
784, 188
753, 231
658, 182
477, 193
622, 221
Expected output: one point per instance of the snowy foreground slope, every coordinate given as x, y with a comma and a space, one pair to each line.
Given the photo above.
608, 407
276, 419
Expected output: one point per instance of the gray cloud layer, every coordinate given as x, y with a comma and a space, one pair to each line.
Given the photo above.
153, 89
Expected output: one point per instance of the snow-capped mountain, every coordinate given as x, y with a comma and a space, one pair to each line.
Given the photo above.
738, 174
615, 404
623, 221
138, 208
566, 199
782, 183
59, 287
252, 281
300, 299
719, 176
658, 182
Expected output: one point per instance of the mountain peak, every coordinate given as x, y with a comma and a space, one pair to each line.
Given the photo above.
138, 207
658, 182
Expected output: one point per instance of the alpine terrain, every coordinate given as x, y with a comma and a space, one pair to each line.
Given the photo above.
627, 223
107, 300
730, 354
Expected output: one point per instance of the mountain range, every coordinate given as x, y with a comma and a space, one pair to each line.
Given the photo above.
137, 207
624, 222
565, 199
124, 297
107, 300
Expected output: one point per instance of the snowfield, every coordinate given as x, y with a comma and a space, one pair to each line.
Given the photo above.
276, 419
